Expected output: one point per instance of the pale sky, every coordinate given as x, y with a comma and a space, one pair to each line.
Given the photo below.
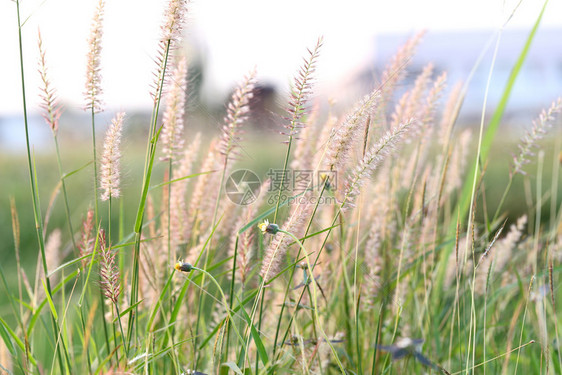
233, 36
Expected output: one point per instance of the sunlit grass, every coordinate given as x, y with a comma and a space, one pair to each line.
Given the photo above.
377, 262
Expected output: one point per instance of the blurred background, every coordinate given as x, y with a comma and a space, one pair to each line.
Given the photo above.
225, 39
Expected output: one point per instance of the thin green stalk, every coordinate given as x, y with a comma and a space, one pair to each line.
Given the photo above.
336, 217
356, 294
121, 329
485, 144
115, 347
286, 334
315, 298
357, 336
85, 353
504, 195
554, 182
262, 282
314, 330
346, 297
109, 222
243, 355
259, 330
100, 294
105, 331
224, 300
15, 313
65, 195
169, 209
206, 262
232, 280
287, 155
293, 271
125, 344
121, 236
482, 151
538, 209
377, 335
523, 322
34, 196
169, 245
149, 162
94, 153
15, 234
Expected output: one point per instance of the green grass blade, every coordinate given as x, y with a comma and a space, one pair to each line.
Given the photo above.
490, 134
160, 299
7, 330
66, 175
257, 339
50, 301
179, 179
126, 311
37, 312
234, 367
234, 310
146, 182
488, 139
6, 337
265, 214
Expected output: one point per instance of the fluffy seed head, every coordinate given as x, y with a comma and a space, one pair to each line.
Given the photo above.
53, 249
371, 161
410, 103
109, 272
109, 180
395, 71
529, 141
236, 114
178, 211
93, 76
499, 256
345, 136
172, 132
174, 18
87, 240
49, 104
203, 193
301, 91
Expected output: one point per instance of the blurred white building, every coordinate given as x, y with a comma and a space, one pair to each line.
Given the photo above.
538, 83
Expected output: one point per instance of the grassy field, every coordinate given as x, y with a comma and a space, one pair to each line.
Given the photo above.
395, 242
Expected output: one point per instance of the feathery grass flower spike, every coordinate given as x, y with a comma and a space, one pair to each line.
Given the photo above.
109, 180
109, 271
172, 132
93, 76
170, 40
236, 114
302, 91
535, 134
50, 104
267, 227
